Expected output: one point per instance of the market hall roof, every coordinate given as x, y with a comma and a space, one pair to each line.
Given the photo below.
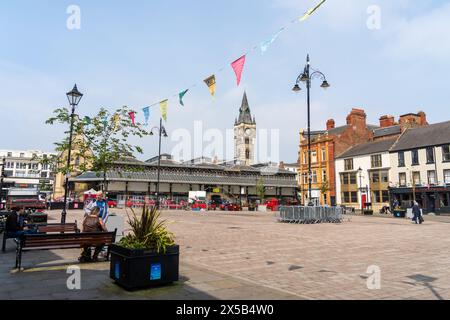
420, 137
368, 148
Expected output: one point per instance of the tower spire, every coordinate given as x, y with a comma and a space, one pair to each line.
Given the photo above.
245, 115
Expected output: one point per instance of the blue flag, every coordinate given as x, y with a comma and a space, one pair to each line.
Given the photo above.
146, 114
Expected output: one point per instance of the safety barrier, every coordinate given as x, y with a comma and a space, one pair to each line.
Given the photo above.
310, 215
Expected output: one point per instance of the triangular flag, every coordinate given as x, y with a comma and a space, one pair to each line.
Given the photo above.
311, 11
132, 117
266, 44
146, 111
181, 95
238, 67
116, 119
163, 107
87, 120
211, 83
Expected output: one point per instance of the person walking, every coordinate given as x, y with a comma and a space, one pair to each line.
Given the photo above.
417, 213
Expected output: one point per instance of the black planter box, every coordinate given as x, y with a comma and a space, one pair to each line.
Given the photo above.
38, 218
138, 269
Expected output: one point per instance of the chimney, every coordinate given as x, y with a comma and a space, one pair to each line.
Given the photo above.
387, 121
357, 118
423, 118
330, 124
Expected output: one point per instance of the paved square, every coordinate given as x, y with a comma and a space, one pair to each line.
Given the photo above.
252, 256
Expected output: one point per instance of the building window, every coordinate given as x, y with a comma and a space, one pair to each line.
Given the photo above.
314, 156
447, 176
353, 178
375, 177
402, 179
416, 178
324, 154
415, 157
314, 177
348, 164
430, 155
22, 155
324, 176
431, 177
247, 140
385, 195
305, 157
446, 153
10, 154
350, 197
247, 154
354, 197
401, 159
376, 161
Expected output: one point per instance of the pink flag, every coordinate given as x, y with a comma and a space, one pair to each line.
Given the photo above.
132, 117
238, 67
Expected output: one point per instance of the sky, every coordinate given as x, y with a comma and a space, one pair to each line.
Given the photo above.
138, 52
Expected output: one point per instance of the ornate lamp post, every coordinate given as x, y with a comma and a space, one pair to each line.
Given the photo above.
74, 98
162, 132
360, 170
307, 76
2, 176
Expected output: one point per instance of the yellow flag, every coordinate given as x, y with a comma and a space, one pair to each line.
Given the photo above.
211, 83
163, 107
311, 11
116, 119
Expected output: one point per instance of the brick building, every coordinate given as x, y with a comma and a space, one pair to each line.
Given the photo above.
325, 146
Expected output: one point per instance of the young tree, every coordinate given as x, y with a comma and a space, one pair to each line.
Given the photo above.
100, 141
261, 189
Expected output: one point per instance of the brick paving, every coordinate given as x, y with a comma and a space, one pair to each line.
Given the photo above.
252, 256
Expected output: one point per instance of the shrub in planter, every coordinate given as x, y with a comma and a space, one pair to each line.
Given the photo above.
146, 257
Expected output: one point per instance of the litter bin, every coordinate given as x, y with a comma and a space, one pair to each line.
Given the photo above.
399, 213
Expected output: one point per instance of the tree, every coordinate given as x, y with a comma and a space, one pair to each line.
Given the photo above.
260, 189
100, 141
324, 188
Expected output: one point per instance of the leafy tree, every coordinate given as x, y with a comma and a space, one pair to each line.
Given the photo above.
260, 189
98, 142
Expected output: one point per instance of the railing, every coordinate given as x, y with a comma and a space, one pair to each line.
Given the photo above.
310, 215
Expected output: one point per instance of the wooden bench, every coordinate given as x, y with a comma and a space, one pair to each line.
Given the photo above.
46, 228
34, 242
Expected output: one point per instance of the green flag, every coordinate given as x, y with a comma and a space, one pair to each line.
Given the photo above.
182, 94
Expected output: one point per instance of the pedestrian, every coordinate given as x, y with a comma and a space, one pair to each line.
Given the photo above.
418, 219
89, 205
102, 204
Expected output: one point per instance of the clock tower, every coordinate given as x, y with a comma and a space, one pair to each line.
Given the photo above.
245, 135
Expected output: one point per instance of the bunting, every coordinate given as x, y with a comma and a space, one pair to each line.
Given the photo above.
116, 120
238, 67
132, 117
311, 11
163, 107
266, 44
211, 83
87, 121
146, 111
181, 96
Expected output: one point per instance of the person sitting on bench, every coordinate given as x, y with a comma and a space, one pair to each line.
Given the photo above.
15, 225
92, 223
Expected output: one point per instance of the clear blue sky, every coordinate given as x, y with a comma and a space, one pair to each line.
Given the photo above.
138, 52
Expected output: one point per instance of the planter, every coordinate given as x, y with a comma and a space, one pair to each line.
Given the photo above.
368, 212
38, 218
138, 269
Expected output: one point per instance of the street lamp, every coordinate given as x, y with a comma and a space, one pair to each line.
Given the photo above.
2, 175
162, 132
74, 98
360, 170
307, 77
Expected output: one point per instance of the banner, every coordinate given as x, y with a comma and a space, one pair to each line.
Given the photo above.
116, 120
266, 44
238, 67
146, 111
132, 117
163, 107
181, 96
211, 83
311, 11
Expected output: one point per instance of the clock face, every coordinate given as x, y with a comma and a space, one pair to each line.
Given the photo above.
248, 132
